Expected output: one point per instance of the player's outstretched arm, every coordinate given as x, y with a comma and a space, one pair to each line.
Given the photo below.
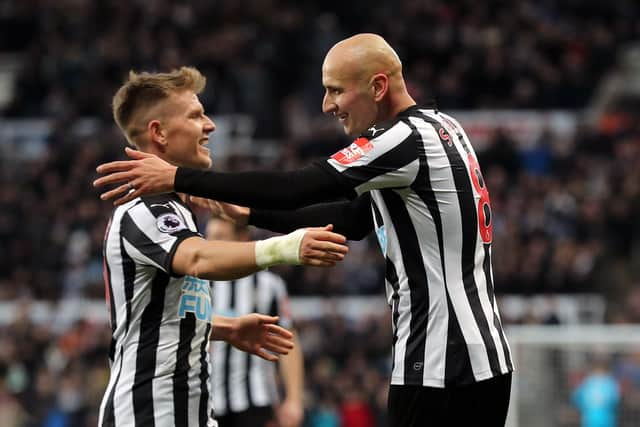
254, 333
147, 175
218, 260
350, 218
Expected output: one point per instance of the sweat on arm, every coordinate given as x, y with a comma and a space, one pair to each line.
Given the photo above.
353, 219
261, 189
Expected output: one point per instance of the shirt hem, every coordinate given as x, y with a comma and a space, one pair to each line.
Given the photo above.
440, 382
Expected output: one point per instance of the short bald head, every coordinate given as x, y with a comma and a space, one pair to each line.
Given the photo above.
362, 76
362, 56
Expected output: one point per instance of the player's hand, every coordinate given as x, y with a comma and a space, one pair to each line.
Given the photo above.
290, 413
147, 174
258, 334
238, 215
321, 247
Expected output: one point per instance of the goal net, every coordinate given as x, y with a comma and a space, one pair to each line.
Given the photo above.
553, 362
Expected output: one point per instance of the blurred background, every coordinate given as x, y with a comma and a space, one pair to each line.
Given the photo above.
548, 91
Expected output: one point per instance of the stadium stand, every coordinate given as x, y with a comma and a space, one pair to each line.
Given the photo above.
560, 152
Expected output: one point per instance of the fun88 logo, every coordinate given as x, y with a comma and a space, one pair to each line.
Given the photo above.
195, 299
382, 239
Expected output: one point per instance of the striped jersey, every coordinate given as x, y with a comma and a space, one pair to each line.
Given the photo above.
241, 380
432, 217
160, 321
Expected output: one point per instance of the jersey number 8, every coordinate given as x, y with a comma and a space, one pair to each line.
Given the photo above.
485, 223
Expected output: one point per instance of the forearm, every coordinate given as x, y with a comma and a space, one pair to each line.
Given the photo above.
292, 372
222, 260
287, 190
353, 219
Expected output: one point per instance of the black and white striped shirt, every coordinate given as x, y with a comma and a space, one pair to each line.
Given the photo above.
241, 380
160, 322
416, 181
432, 217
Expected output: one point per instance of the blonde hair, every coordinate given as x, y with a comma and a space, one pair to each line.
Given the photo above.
141, 91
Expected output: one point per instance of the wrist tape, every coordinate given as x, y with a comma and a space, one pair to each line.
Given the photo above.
279, 250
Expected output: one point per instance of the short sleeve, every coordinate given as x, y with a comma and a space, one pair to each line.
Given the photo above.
151, 233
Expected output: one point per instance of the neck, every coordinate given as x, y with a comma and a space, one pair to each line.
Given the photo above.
394, 106
402, 104
398, 99
161, 153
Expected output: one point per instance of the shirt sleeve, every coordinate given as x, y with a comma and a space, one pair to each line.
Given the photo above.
353, 219
263, 189
151, 234
380, 158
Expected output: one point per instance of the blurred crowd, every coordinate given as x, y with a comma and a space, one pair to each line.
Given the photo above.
51, 377
564, 209
263, 57
55, 377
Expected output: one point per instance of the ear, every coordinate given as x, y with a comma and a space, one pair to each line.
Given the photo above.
157, 134
380, 86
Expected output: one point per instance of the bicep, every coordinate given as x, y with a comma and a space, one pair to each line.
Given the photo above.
183, 259
214, 260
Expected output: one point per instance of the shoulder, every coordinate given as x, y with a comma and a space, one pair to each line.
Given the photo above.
157, 204
166, 212
384, 136
432, 124
165, 203
379, 130
428, 114
407, 124
439, 119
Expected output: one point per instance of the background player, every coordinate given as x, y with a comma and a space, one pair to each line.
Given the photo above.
244, 388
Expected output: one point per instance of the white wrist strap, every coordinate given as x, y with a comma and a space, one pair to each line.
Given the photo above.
279, 250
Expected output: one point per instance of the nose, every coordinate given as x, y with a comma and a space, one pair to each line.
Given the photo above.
327, 105
209, 125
